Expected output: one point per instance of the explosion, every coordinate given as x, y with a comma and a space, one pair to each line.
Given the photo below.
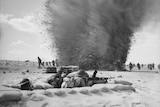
93, 33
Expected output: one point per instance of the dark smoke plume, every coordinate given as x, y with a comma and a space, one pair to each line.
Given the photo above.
94, 33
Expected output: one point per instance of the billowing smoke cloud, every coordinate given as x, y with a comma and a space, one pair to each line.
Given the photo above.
94, 33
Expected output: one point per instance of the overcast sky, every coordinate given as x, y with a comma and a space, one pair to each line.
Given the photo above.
20, 38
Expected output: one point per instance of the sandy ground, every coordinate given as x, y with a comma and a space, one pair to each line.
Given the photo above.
146, 84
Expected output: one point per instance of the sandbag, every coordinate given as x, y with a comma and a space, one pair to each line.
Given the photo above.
15, 86
6, 96
6, 88
122, 82
38, 86
42, 85
123, 88
12, 86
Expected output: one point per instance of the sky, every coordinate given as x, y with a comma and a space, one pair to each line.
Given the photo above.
20, 37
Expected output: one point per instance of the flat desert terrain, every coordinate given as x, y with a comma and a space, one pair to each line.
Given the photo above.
144, 91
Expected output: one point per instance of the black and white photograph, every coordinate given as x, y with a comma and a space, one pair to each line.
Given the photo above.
79, 53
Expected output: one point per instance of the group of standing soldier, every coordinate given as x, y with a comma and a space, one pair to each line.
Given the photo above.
139, 66
42, 63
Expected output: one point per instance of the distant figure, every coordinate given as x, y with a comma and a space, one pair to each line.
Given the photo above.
46, 63
130, 66
49, 63
142, 65
138, 66
150, 66
53, 62
153, 65
39, 62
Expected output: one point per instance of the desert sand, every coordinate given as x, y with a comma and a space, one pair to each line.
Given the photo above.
144, 91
